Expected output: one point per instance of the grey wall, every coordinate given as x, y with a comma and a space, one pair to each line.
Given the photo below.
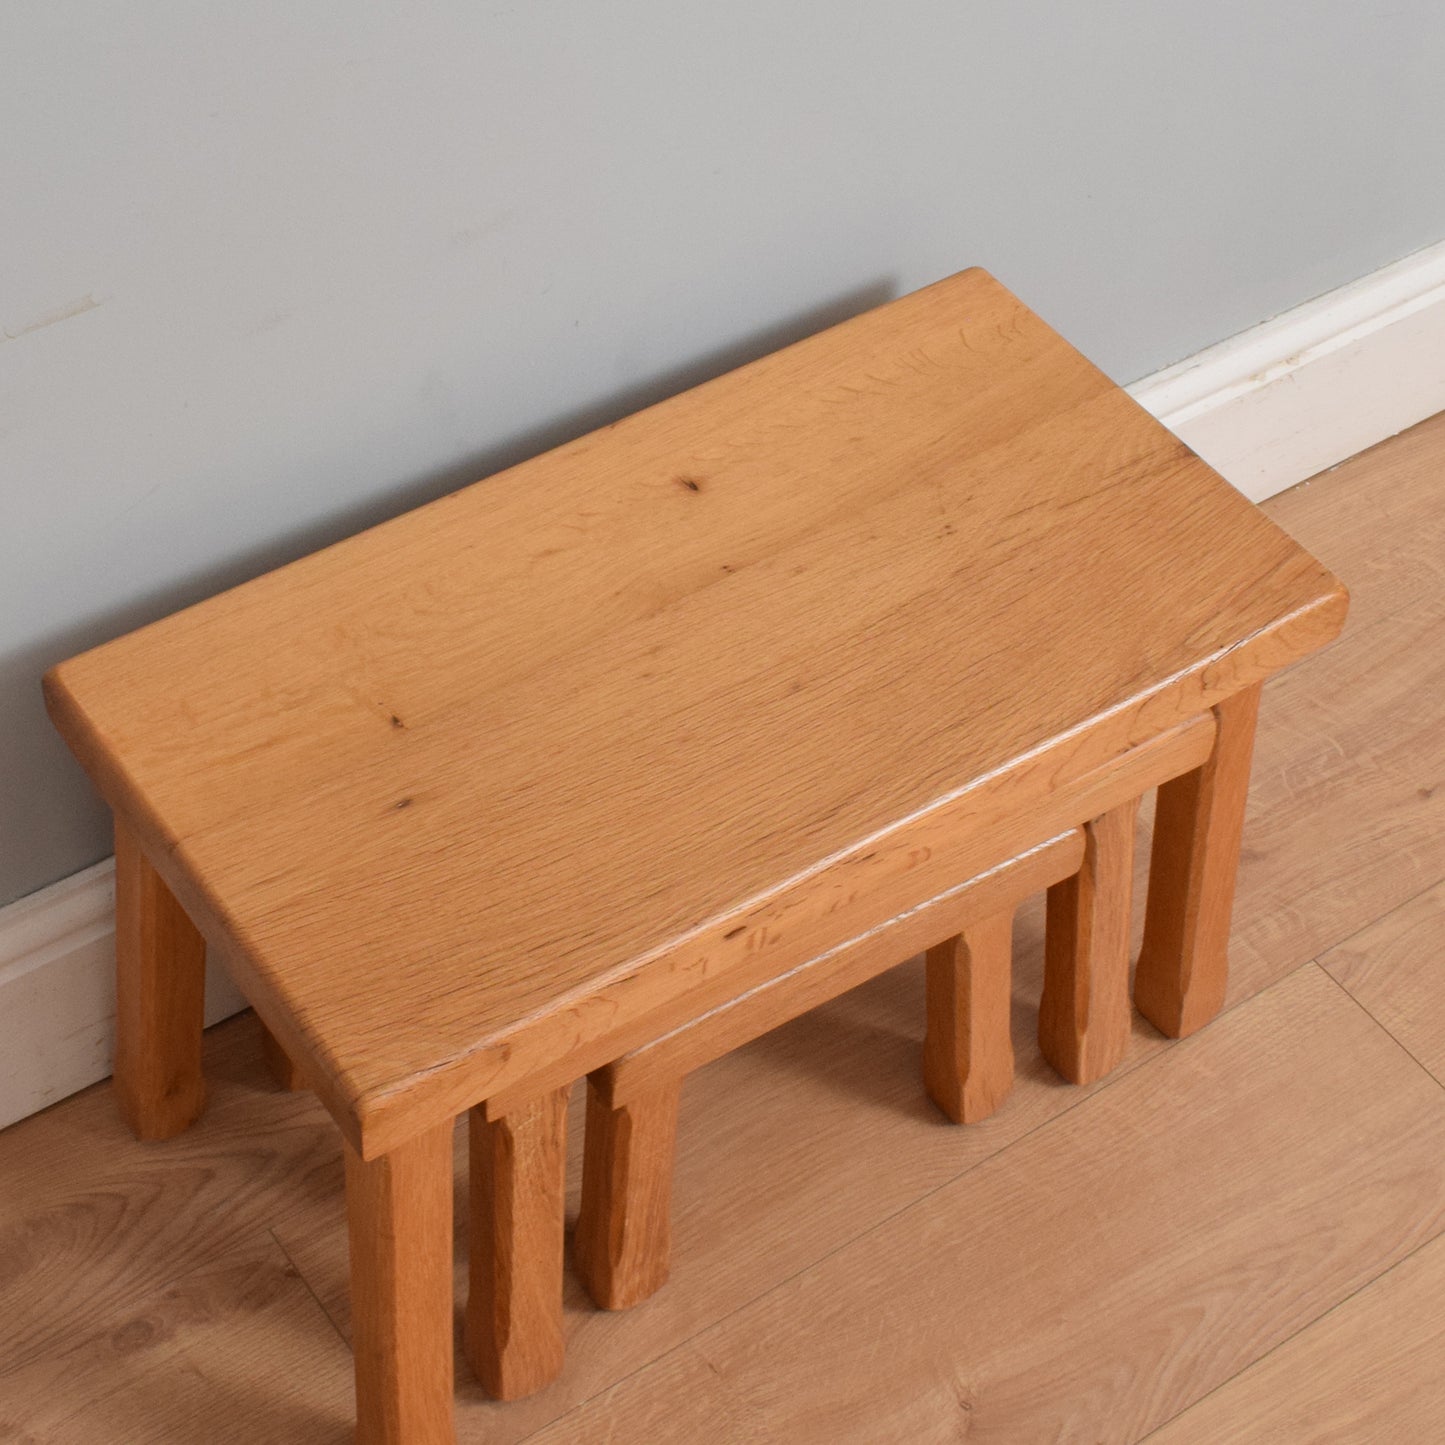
270, 272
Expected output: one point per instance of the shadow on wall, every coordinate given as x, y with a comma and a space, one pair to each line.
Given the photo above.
52, 824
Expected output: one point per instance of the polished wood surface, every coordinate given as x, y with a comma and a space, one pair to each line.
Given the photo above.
1183, 968
399, 1213
623, 1243
1084, 1018
624, 1228
934, 536
968, 1057
160, 997
740, 1020
146, 1290
514, 1301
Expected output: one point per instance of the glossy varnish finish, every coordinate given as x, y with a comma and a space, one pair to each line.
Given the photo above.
934, 536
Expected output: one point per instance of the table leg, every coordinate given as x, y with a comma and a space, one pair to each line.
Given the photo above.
1184, 964
968, 1057
518, 1209
1084, 1016
279, 1063
399, 1217
623, 1244
160, 995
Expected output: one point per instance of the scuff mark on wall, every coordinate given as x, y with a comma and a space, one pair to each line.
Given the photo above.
86, 303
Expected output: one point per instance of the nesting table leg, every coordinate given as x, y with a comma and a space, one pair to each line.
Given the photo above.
160, 994
399, 1217
623, 1244
518, 1209
1184, 964
279, 1063
1084, 1016
968, 1058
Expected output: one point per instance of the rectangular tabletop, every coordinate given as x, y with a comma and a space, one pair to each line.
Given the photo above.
519, 768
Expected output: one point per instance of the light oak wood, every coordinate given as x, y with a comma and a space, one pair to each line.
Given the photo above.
236, 1349
1396, 969
160, 999
109, 1254
623, 1240
699, 1041
1183, 970
921, 535
968, 1057
399, 1216
887, 883
1105, 1272
514, 1305
279, 1063
1084, 1017
623, 1243
1370, 1370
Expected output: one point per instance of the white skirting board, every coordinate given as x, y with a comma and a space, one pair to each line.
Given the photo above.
1266, 408
57, 991
1300, 393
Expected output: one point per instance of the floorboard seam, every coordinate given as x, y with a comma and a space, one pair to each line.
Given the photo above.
1365, 927
301, 1275
1308, 1325
1381, 1025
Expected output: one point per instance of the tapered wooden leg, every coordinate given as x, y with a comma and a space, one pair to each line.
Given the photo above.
518, 1193
278, 1062
1084, 1018
399, 1217
160, 996
968, 1056
1184, 964
623, 1244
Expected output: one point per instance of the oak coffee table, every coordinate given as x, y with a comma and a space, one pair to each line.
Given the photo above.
495, 794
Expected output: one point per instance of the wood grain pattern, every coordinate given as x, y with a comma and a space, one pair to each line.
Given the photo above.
160, 998
1183, 969
823, 915
279, 1063
1370, 1370
1084, 1019
1105, 1272
623, 1243
233, 1350
399, 1217
1346, 821
1394, 968
518, 1197
840, 541
784, 996
968, 1056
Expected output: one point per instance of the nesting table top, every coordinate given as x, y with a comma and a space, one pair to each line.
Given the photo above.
511, 772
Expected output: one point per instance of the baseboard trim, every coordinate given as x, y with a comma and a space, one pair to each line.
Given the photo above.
1266, 408
57, 991
1304, 391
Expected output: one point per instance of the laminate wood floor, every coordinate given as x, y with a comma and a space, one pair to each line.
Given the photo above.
1235, 1238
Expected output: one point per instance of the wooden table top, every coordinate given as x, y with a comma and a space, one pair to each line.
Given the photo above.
515, 771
